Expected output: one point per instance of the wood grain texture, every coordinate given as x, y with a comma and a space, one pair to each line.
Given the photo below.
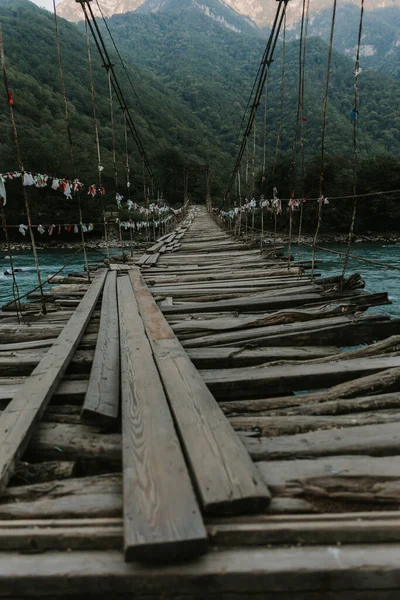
18, 420
228, 573
102, 398
266, 380
162, 521
225, 477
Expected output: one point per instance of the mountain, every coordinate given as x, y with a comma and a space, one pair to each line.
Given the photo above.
31, 58
72, 11
380, 46
262, 12
212, 70
193, 75
218, 10
259, 11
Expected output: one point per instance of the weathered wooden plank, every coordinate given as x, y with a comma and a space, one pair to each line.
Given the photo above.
107, 534
289, 477
329, 331
225, 477
18, 420
102, 397
228, 573
274, 426
249, 303
225, 358
373, 440
266, 380
162, 521
370, 385
71, 391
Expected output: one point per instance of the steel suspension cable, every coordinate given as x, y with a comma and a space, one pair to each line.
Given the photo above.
262, 75
105, 58
325, 105
303, 125
69, 134
355, 157
97, 136
128, 76
278, 139
296, 130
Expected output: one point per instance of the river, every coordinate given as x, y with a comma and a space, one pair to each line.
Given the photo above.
378, 279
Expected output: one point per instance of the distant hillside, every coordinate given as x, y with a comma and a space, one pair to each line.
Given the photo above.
380, 46
31, 57
212, 69
193, 76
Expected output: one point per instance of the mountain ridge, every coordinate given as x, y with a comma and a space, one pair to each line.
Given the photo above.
257, 10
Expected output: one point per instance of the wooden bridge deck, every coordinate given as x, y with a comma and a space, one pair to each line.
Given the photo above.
197, 432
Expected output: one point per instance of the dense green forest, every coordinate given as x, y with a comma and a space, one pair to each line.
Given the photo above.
193, 77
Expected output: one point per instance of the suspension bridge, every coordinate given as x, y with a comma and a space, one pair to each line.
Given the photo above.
183, 422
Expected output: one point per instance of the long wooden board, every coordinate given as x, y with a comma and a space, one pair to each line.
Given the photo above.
162, 521
102, 397
18, 420
225, 476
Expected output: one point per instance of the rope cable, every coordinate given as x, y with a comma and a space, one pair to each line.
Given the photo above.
128, 173
15, 290
128, 76
21, 168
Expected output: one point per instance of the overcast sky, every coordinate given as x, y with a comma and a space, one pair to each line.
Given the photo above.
45, 3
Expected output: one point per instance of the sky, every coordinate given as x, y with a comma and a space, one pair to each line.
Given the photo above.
45, 3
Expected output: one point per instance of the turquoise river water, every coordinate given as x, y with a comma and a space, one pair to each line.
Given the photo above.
378, 279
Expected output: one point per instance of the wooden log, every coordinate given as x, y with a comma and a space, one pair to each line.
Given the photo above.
351, 572
225, 358
385, 381
35, 331
67, 391
18, 420
66, 442
162, 521
102, 398
34, 473
373, 440
275, 426
224, 475
339, 331
258, 303
94, 497
197, 327
267, 380
342, 407
23, 362
290, 477
68, 280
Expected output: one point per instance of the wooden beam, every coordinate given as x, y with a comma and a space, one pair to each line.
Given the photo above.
266, 380
162, 521
102, 398
352, 572
18, 420
224, 474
